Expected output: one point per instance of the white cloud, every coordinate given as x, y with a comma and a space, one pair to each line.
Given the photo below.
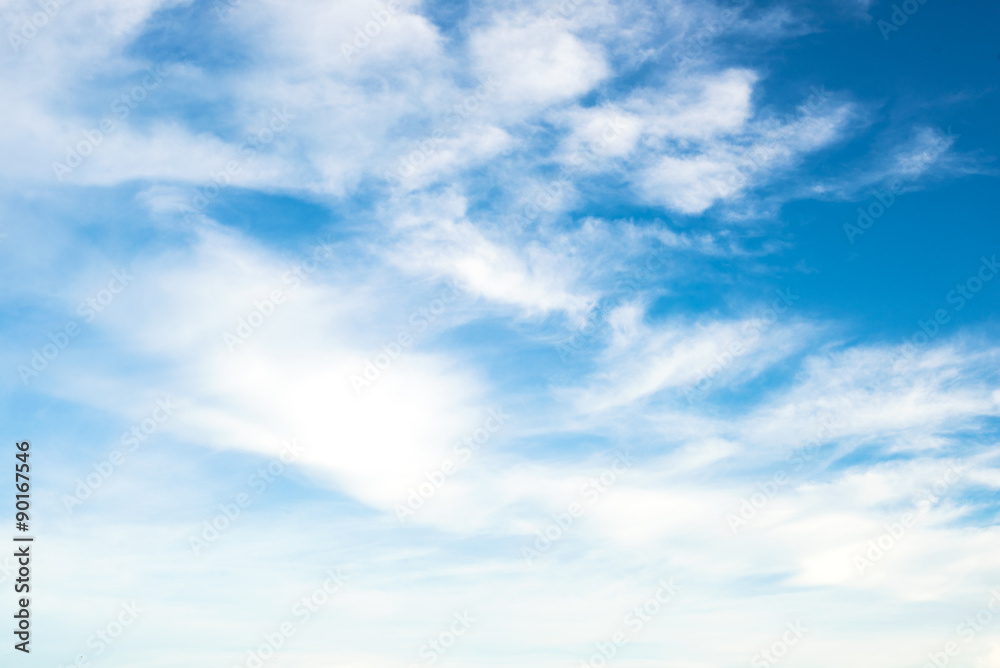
290, 379
733, 152
441, 241
536, 63
689, 358
687, 139
874, 393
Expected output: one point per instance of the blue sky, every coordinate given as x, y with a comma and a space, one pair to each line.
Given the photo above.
518, 334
